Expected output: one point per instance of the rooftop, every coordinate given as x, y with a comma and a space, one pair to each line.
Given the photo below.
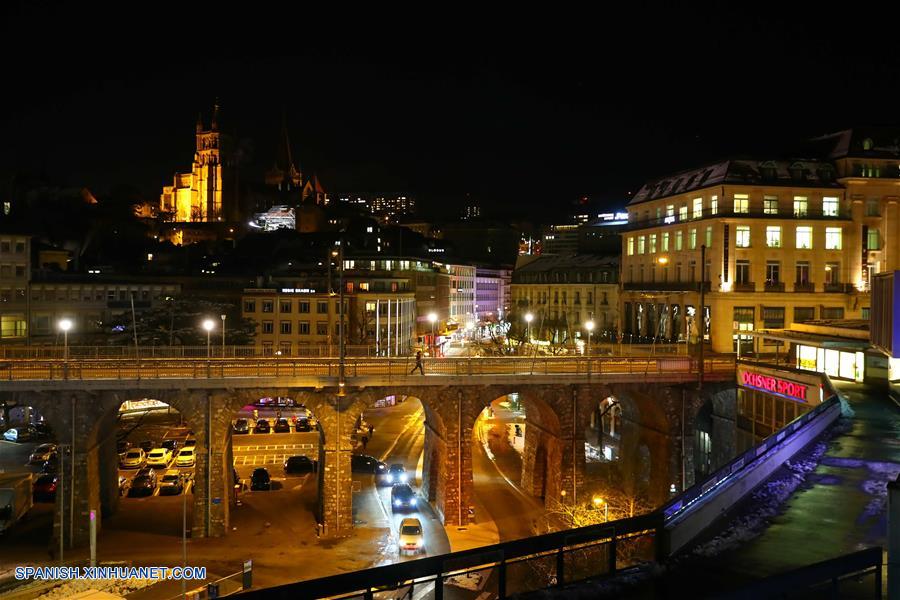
794, 173
553, 262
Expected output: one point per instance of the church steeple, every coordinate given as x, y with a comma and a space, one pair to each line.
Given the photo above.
214, 126
284, 173
199, 122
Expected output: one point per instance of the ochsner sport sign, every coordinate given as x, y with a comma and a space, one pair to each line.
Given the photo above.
774, 385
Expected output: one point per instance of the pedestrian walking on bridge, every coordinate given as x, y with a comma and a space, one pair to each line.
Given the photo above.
418, 364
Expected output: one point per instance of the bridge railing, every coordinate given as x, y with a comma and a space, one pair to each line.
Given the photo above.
390, 368
520, 566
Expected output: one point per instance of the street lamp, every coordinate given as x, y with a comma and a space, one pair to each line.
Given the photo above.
65, 325
528, 318
598, 502
432, 318
223, 335
208, 325
590, 328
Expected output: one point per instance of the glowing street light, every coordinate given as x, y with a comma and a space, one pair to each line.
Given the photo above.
590, 328
598, 502
663, 260
65, 325
208, 325
432, 318
528, 319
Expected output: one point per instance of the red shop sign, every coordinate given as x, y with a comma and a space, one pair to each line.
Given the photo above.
774, 385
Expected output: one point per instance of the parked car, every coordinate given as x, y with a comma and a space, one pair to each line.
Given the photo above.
395, 474
172, 483
403, 498
133, 459
42, 453
362, 463
303, 425
260, 480
44, 489
41, 431
185, 457
143, 484
123, 446
262, 426
159, 458
241, 426
282, 425
411, 538
299, 464
190, 442
17, 434
170, 445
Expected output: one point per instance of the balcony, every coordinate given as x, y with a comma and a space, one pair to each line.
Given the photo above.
744, 286
838, 288
774, 286
665, 286
805, 287
812, 214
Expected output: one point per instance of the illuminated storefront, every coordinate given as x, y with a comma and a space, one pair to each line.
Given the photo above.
839, 364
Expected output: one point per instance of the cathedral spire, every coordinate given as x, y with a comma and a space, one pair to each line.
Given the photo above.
199, 122
215, 116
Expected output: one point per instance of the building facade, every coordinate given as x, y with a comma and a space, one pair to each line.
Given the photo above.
492, 287
91, 303
772, 241
299, 321
462, 294
15, 273
565, 292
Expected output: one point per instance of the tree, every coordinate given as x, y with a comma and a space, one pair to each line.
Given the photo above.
176, 321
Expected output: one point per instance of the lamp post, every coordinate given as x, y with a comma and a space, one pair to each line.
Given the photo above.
528, 319
598, 502
208, 325
590, 328
432, 318
65, 325
223, 335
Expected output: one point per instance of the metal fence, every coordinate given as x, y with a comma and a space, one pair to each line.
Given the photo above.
658, 368
501, 570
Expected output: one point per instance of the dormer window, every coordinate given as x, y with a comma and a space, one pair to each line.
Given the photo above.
867, 144
768, 170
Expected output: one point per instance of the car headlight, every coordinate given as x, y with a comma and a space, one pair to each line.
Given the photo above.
403, 478
398, 503
412, 501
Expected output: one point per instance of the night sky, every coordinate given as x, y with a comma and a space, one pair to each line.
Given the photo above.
526, 122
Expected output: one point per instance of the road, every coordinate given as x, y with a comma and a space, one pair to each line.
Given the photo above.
399, 437
496, 479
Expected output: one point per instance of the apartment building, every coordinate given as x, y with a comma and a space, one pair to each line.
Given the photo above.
772, 241
295, 321
15, 273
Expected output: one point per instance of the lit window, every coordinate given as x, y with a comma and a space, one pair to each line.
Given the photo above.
665, 240
670, 214
698, 208
801, 206
693, 239
652, 243
830, 206
804, 238
832, 238
873, 239
742, 239
682, 213
709, 237
773, 236
630, 246
714, 205
770, 205
678, 240
641, 244
741, 203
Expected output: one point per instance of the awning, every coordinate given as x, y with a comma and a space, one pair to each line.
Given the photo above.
809, 339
